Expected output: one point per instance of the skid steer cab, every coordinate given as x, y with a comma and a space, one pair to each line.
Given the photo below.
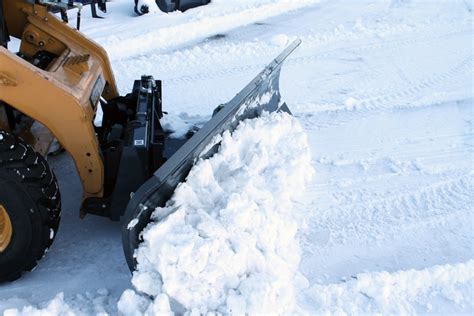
60, 87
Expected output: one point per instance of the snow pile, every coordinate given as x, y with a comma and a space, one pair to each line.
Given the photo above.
447, 288
230, 244
99, 303
56, 306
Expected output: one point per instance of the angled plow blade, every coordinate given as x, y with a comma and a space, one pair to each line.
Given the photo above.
261, 94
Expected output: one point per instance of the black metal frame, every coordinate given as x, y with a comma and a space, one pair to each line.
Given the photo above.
4, 37
102, 4
132, 143
62, 8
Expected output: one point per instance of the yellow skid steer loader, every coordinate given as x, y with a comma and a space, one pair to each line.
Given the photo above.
52, 88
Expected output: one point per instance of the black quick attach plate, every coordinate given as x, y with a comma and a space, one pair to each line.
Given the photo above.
261, 94
132, 148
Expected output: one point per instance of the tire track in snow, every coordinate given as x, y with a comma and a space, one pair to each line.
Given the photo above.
403, 94
383, 217
299, 60
391, 233
453, 77
421, 94
393, 190
413, 149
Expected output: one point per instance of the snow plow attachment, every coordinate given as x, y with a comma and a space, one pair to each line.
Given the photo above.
261, 94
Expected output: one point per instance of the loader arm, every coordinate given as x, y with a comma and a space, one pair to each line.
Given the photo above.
63, 90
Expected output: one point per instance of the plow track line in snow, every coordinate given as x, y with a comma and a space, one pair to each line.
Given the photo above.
311, 122
415, 151
395, 43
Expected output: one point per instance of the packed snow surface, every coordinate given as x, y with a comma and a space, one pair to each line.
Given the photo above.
230, 244
383, 91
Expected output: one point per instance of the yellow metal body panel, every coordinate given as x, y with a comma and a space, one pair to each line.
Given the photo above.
59, 97
6, 229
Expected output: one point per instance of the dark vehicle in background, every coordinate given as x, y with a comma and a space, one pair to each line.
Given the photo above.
170, 5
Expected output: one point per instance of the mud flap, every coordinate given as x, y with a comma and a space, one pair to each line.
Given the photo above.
261, 94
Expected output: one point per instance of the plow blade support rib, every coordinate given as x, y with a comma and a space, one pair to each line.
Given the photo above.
261, 94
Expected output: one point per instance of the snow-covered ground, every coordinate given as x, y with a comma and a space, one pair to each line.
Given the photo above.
383, 90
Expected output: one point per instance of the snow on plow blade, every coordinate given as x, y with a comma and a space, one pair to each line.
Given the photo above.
261, 94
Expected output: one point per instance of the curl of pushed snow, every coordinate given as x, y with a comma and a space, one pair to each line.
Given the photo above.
447, 287
230, 244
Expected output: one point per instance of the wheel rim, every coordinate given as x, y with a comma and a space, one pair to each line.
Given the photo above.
6, 229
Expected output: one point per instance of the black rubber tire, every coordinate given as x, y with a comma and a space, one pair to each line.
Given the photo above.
30, 194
